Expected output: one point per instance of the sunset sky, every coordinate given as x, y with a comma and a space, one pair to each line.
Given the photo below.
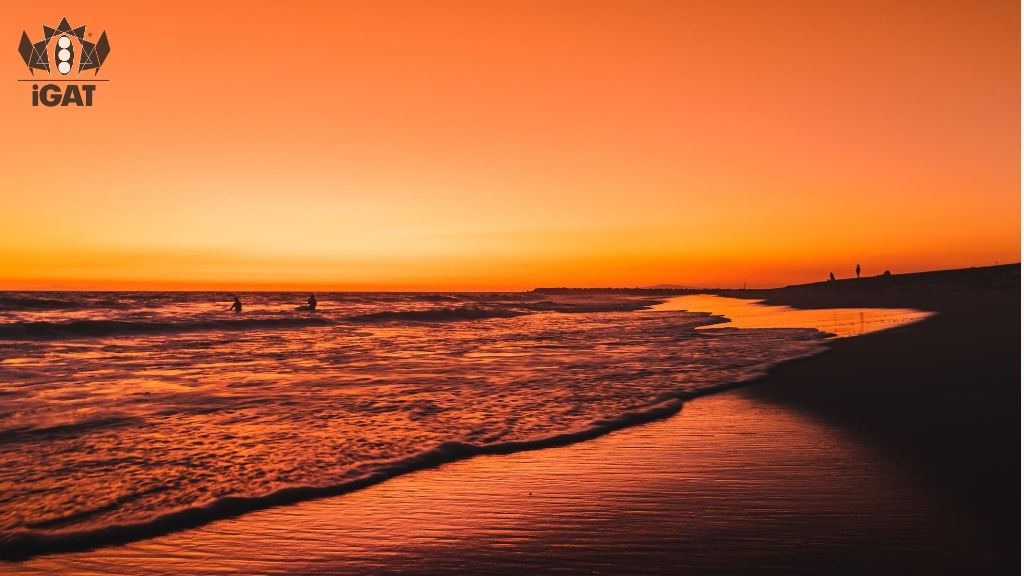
505, 145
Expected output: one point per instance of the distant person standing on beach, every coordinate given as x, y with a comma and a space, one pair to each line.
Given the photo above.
858, 270
236, 306
831, 276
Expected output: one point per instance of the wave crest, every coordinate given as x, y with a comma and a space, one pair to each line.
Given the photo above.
93, 328
17, 303
25, 544
438, 314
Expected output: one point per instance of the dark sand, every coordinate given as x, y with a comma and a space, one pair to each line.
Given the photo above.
942, 395
895, 452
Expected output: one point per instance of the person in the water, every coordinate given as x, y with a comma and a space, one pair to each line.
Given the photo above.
311, 303
236, 306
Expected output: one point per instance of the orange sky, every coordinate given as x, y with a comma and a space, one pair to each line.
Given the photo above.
504, 145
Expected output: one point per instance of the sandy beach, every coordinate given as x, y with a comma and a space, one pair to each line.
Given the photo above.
942, 396
890, 452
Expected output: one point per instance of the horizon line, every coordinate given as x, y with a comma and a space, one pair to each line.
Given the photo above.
456, 291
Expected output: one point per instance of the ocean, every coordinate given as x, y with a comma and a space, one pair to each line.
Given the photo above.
130, 414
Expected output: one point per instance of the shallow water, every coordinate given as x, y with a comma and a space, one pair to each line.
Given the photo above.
138, 412
728, 486
127, 415
839, 322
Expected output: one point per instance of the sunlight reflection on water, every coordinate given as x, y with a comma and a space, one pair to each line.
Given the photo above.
841, 322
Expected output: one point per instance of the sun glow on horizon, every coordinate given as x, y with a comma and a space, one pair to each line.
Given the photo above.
467, 146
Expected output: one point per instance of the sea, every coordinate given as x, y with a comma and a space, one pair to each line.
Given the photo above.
131, 414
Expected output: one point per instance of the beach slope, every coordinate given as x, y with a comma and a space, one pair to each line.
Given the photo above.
942, 395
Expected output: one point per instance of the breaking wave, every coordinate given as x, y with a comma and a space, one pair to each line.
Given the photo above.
31, 303
91, 328
29, 543
108, 441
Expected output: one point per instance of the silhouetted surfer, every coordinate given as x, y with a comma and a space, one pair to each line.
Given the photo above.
310, 304
236, 306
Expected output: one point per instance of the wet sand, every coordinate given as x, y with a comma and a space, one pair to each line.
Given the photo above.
893, 452
730, 486
942, 395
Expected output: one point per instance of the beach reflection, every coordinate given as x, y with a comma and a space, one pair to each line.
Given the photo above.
840, 322
724, 485
153, 422
152, 430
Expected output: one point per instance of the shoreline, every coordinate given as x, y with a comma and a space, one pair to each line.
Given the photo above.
942, 394
795, 385
731, 485
19, 547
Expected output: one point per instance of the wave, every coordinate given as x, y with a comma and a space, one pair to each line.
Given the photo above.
438, 314
583, 307
43, 330
69, 329
484, 312
28, 543
93, 328
25, 303
52, 432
